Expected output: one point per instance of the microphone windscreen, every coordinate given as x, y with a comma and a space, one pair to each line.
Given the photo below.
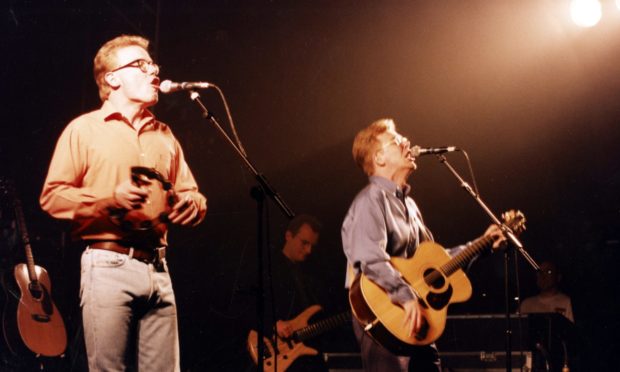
165, 86
415, 151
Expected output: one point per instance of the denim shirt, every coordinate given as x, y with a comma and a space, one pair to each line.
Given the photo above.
383, 222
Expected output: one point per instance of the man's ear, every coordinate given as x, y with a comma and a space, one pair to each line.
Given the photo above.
379, 158
288, 235
112, 80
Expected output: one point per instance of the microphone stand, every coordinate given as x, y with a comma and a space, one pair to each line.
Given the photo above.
513, 239
258, 193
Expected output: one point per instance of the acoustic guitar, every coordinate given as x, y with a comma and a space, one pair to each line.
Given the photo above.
437, 279
286, 351
30, 320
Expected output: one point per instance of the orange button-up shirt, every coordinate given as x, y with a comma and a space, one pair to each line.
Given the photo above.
94, 154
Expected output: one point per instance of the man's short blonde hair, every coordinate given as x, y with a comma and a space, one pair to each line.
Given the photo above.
366, 143
105, 59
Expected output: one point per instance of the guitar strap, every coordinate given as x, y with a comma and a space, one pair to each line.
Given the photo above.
419, 229
425, 233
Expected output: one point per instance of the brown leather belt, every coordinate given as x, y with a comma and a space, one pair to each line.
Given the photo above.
153, 255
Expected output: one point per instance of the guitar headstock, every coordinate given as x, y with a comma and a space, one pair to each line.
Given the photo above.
515, 220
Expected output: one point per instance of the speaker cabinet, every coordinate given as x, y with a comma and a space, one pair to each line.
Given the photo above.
487, 361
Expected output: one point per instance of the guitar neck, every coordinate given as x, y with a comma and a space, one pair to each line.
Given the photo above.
21, 225
465, 256
321, 326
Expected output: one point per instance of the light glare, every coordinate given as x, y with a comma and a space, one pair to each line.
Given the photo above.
586, 13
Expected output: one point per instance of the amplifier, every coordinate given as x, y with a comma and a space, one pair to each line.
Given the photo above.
484, 332
452, 361
545, 337
477, 343
488, 361
343, 362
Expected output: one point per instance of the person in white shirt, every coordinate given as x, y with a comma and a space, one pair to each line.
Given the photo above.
550, 299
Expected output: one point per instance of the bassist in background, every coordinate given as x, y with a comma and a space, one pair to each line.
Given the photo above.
292, 298
293, 289
383, 222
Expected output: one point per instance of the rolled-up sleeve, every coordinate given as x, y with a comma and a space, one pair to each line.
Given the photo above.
185, 184
63, 195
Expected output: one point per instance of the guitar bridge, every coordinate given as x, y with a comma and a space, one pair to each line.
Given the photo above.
41, 318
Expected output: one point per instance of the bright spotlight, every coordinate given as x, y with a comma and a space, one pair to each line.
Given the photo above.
585, 13
618, 4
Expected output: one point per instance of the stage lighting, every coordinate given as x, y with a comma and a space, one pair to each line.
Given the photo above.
585, 13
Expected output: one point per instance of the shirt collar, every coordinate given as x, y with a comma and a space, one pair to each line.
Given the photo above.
390, 186
111, 113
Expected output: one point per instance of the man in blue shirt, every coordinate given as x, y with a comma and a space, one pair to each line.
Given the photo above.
384, 222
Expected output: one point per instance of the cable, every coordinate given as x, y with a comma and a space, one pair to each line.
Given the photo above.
230, 121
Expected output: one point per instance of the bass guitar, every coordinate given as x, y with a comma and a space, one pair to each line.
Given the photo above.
437, 279
286, 351
30, 320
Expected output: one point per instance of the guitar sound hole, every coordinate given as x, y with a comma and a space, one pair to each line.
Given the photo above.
36, 291
434, 279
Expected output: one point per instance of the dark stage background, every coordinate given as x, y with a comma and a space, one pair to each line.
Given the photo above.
532, 98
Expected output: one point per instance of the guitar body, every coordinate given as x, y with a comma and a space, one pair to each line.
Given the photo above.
286, 351
384, 319
30, 321
37, 326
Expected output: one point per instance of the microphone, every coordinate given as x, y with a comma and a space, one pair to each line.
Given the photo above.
419, 151
168, 86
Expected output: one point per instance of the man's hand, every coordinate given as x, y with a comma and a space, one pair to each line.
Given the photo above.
413, 320
496, 233
284, 328
184, 212
130, 196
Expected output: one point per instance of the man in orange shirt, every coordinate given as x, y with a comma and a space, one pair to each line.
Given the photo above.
128, 305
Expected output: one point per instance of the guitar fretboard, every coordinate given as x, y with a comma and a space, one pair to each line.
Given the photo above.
473, 249
322, 326
21, 225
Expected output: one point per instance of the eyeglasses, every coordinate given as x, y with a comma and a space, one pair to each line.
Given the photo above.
142, 64
397, 140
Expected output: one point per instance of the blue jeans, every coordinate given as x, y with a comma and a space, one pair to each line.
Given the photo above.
129, 313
